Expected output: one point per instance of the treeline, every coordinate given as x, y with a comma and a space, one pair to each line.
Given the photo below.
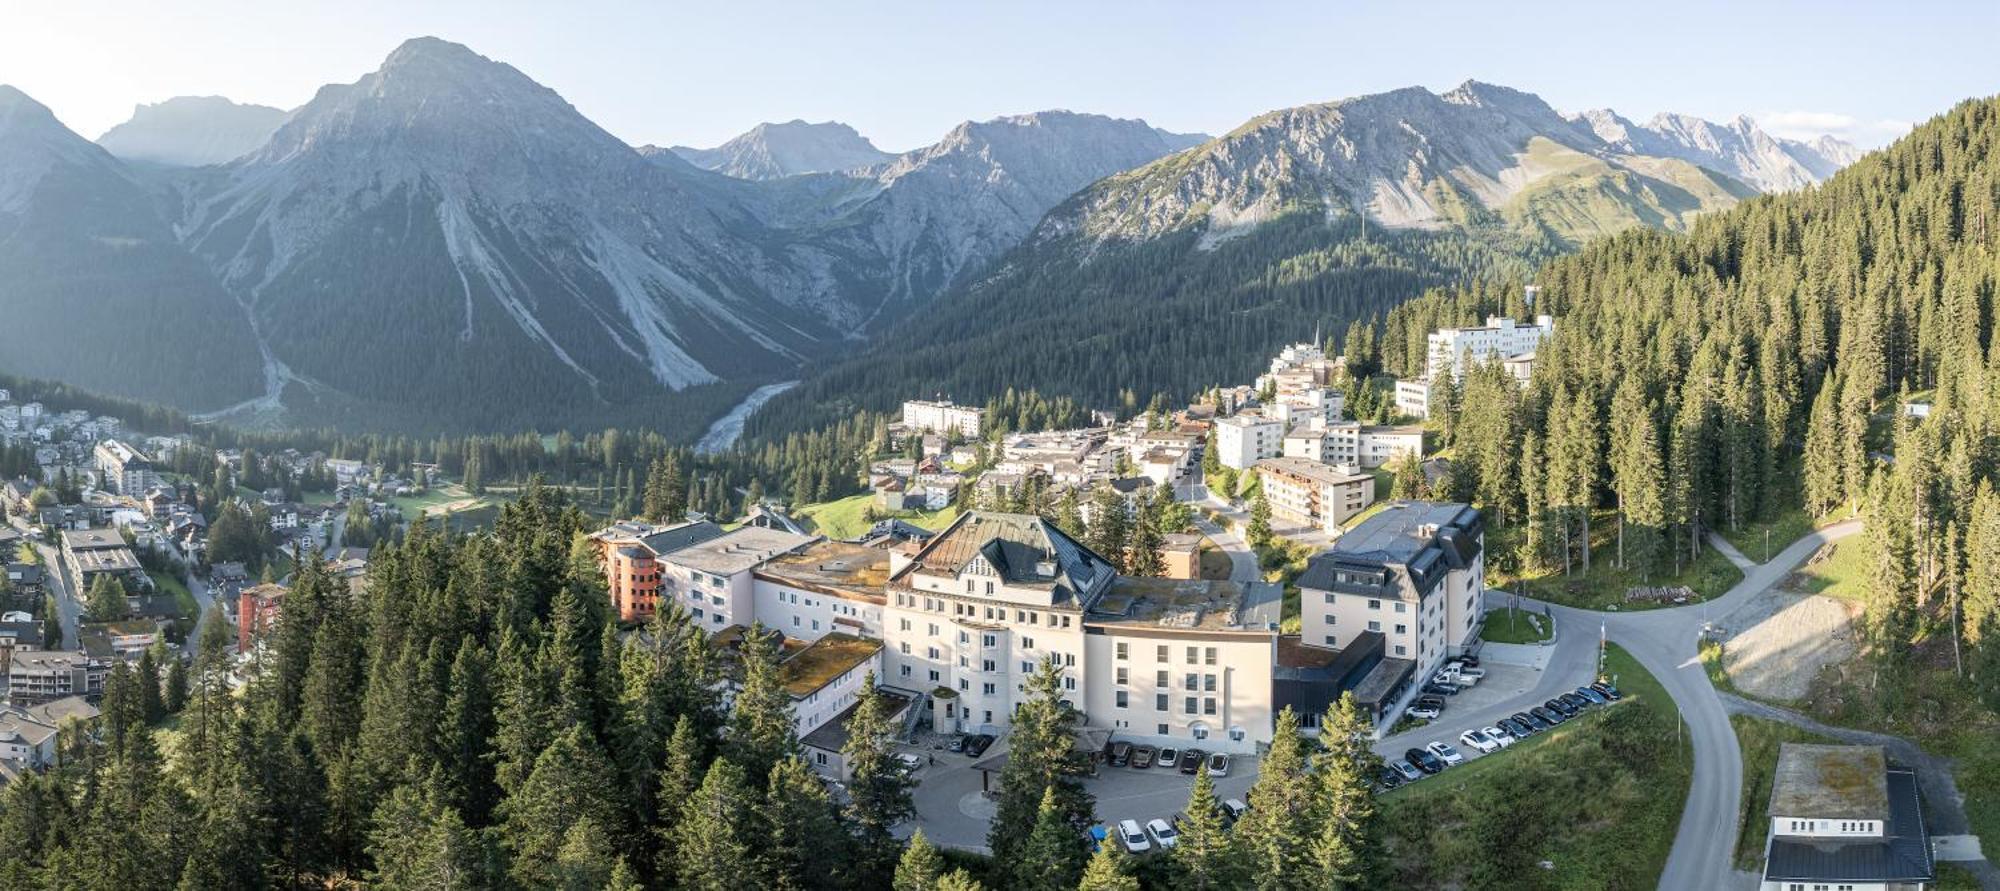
1167, 317
1760, 364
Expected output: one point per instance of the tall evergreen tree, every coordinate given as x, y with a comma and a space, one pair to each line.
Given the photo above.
1041, 759
1052, 855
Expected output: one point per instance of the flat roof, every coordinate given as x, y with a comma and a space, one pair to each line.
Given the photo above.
1188, 605
1311, 471
92, 539
824, 661
737, 551
1392, 536
120, 559
1902, 855
836, 568
1828, 782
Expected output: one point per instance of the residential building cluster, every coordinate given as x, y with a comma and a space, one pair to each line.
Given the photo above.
1502, 340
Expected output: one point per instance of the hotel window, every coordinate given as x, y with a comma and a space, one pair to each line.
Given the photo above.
1193, 704
964, 685
1208, 683
1400, 649
1194, 655
1069, 683
1208, 656
1027, 643
1402, 628
1160, 703
988, 640
1193, 681
1329, 619
989, 588
934, 675
906, 671
1402, 607
1124, 676
933, 652
987, 688
1162, 730
1124, 651
1160, 679
1330, 640
1027, 667
1208, 705
989, 665
1119, 699
1160, 654
906, 647
1374, 626
1374, 604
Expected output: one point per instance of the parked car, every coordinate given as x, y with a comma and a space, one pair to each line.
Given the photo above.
1423, 712
1479, 739
1121, 753
957, 743
911, 763
1133, 837
1097, 836
1218, 765
1441, 689
1424, 760
1561, 708
1191, 760
1595, 697
1163, 833
1233, 809
1575, 701
1609, 691
1528, 721
1445, 752
1142, 757
1409, 771
1469, 661
978, 745
1388, 778
1547, 717
1471, 672
1500, 735
1169, 757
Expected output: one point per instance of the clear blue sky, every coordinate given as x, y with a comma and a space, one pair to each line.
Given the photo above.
904, 72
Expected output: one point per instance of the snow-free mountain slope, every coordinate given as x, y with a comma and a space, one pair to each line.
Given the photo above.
191, 131
1739, 149
770, 151
94, 288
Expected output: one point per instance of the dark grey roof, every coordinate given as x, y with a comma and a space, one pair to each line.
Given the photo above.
1902, 855
685, 535
832, 735
1132, 484
1390, 536
29, 633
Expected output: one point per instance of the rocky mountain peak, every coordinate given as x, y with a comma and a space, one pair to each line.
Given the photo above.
774, 150
191, 131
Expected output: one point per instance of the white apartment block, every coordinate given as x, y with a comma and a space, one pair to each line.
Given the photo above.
1413, 573
1243, 440
121, 469
943, 417
1321, 495
1350, 442
1501, 338
38, 676
1413, 397
988, 600
828, 587
713, 579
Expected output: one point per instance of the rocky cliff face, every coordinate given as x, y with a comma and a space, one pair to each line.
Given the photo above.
1739, 148
771, 151
191, 131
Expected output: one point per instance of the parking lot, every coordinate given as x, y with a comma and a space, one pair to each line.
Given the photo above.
952, 810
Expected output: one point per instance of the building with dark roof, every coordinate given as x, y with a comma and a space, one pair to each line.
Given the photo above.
1413, 573
630, 552
1842, 817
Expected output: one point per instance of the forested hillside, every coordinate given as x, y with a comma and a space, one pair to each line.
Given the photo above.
1761, 363
1169, 316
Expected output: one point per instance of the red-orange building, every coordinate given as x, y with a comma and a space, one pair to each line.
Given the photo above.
630, 552
257, 611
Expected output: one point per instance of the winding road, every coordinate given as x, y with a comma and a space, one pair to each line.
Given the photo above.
1666, 642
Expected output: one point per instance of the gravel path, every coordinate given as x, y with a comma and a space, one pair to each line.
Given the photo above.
1778, 642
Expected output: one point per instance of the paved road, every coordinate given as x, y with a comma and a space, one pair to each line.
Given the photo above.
1665, 641
203, 596
69, 606
1242, 561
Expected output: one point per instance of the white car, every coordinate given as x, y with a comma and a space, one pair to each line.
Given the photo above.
1445, 753
1502, 737
1133, 837
910, 762
1479, 740
1163, 833
1423, 712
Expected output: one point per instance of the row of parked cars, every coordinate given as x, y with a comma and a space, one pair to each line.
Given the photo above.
1162, 834
1188, 761
1435, 757
974, 744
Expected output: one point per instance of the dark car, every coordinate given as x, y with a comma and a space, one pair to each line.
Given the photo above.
1142, 757
1518, 728
1595, 697
1547, 716
1388, 778
1561, 708
1607, 690
1430, 700
1425, 761
1574, 701
1121, 754
1469, 661
1441, 688
1192, 760
978, 745
1523, 719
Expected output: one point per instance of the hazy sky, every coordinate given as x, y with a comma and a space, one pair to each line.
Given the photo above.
904, 72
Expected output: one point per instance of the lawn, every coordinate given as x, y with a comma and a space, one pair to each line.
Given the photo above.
1510, 625
1604, 585
1783, 529
167, 584
1843, 573
1599, 798
1759, 739
849, 517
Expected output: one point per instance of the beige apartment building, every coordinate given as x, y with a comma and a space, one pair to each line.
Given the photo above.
1302, 490
1414, 572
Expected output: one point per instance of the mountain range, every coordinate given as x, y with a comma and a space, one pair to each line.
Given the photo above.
447, 244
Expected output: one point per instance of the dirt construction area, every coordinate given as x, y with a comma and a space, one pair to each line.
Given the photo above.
1775, 644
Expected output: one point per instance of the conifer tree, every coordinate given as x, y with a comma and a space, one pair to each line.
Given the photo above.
571, 785
1108, 870
1343, 805
418, 842
878, 787
1052, 855
1204, 859
1274, 838
1259, 530
1041, 757
1110, 525
711, 842
761, 727
802, 844
152, 703
919, 869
